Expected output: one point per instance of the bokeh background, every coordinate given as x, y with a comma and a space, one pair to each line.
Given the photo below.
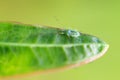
97, 17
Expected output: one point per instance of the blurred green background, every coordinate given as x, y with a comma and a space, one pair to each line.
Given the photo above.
97, 17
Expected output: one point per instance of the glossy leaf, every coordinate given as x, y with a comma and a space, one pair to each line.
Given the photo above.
26, 48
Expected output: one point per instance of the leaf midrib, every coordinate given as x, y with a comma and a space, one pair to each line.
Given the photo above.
48, 45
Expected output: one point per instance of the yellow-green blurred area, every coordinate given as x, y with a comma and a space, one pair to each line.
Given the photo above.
97, 17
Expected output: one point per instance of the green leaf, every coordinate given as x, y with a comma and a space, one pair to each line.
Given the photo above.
27, 48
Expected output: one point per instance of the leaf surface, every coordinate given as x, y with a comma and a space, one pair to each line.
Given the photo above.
27, 48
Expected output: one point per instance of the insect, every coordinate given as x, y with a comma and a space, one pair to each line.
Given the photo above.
71, 33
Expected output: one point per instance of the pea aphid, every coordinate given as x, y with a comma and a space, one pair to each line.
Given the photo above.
70, 33
27, 49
